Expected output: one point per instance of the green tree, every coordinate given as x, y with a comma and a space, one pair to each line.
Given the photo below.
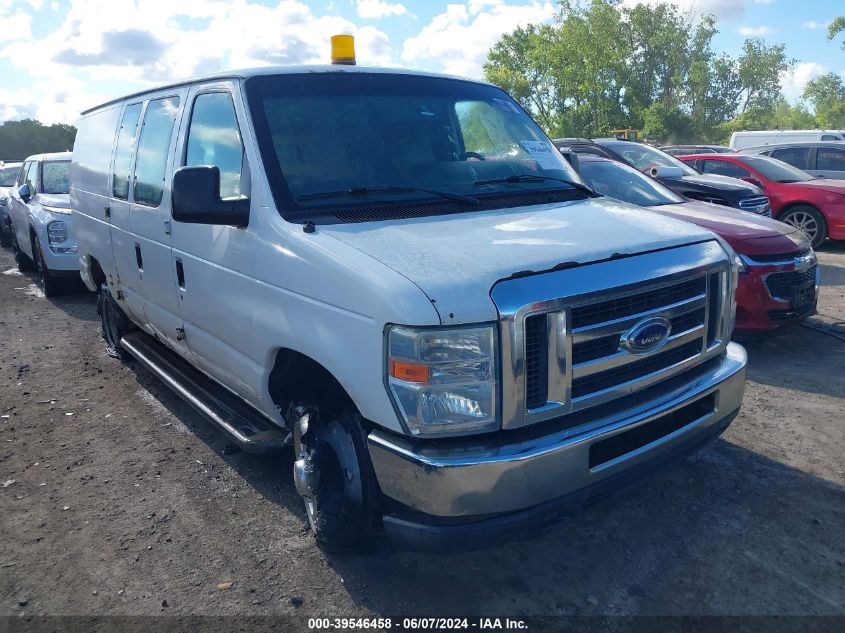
19, 139
835, 28
827, 94
759, 68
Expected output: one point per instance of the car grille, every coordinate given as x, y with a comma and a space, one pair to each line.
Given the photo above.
756, 204
599, 369
780, 257
782, 285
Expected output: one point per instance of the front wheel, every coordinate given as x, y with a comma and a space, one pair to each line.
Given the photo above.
332, 474
49, 284
809, 221
114, 322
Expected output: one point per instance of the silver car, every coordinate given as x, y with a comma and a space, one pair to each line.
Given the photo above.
822, 159
8, 175
39, 208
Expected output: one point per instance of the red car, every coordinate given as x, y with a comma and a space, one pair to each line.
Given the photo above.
779, 278
814, 205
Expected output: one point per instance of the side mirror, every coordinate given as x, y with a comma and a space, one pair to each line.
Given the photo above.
196, 198
666, 171
25, 192
753, 181
571, 158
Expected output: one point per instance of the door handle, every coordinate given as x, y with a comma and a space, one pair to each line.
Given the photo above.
167, 227
138, 259
180, 273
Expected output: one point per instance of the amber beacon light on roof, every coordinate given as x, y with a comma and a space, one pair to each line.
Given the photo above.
343, 50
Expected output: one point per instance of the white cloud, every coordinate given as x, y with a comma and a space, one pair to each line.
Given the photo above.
756, 31
722, 9
375, 9
458, 39
794, 81
101, 42
815, 26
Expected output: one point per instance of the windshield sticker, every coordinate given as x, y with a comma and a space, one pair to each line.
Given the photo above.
507, 106
542, 153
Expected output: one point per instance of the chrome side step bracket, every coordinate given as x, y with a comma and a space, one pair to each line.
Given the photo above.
249, 429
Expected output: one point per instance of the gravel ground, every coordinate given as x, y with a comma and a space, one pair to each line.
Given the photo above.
116, 498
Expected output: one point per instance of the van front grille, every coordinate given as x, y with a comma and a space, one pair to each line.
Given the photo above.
600, 368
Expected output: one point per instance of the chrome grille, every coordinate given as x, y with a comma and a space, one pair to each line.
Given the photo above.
561, 352
756, 204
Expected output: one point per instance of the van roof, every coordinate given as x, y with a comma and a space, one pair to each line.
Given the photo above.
757, 132
246, 73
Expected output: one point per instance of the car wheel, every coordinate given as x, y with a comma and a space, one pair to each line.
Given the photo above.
49, 284
332, 474
23, 262
808, 220
115, 324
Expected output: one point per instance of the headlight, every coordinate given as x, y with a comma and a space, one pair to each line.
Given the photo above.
444, 381
57, 232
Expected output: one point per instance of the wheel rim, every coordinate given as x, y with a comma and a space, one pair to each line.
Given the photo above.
805, 222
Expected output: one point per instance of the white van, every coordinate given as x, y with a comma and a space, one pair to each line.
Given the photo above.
741, 140
399, 275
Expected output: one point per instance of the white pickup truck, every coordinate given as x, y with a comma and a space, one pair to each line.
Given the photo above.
398, 274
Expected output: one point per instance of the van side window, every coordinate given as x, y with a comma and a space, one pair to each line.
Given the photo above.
123, 153
214, 139
151, 162
830, 137
796, 156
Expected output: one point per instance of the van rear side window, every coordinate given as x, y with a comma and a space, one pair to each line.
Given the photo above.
123, 153
151, 162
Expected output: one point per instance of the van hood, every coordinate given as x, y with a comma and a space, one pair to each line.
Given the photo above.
456, 260
747, 233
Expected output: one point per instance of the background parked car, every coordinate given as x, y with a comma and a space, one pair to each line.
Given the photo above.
741, 140
815, 205
778, 283
679, 177
39, 207
679, 150
8, 175
824, 160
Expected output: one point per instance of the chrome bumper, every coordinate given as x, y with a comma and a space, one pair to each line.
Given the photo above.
471, 478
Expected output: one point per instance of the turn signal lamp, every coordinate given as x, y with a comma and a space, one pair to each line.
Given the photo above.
343, 50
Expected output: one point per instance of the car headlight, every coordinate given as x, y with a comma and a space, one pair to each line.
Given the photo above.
444, 381
57, 232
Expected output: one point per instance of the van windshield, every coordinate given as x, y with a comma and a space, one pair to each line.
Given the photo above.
355, 146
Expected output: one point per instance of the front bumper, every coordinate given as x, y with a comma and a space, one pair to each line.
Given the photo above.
454, 496
758, 311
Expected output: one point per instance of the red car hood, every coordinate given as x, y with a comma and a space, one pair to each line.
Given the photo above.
746, 232
830, 185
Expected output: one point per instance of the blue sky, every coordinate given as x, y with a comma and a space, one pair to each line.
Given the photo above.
58, 57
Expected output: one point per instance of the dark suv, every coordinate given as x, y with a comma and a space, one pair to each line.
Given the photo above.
823, 160
678, 176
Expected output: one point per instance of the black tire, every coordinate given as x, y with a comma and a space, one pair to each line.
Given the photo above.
23, 262
333, 475
809, 220
114, 322
49, 284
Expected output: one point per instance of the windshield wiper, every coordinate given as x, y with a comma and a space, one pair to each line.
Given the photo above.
517, 178
365, 191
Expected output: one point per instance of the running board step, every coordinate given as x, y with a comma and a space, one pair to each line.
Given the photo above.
244, 425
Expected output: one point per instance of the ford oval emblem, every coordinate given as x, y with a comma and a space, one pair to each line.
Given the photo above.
646, 336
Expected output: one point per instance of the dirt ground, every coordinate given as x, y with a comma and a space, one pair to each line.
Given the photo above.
116, 498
